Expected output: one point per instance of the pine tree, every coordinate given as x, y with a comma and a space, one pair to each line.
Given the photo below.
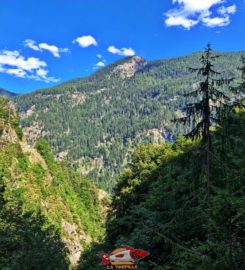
208, 106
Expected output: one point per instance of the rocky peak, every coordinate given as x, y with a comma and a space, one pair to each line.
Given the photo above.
130, 67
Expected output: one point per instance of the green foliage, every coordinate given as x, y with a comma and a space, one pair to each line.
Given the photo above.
160, 203
45, 151
18, 131
98, 120
8, 115
90, 257
43, 204
238, 89
27, 243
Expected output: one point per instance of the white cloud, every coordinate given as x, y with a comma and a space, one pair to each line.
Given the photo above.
197, 5
54, 50
100, 64
180, 20
31, 44
122, 51
13, 58
51, 48
18, 72
189, 13
99, 56
13, 63
65, 50
216, 21
227, 10
42, 72
85, 41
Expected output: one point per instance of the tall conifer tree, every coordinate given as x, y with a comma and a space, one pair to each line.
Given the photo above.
208, 106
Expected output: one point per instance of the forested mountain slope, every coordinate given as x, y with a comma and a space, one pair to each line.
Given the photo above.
94, 122
48, 213
161, 204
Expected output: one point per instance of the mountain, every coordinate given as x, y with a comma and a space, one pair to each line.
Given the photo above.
95, 122
48, 213
6, 93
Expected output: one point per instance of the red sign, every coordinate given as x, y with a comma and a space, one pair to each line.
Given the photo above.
123, 258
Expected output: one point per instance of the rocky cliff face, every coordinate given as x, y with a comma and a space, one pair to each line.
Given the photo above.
130, 67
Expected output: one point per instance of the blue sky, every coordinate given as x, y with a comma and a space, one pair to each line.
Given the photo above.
46, 42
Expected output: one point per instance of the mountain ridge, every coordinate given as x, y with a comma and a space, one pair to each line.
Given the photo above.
120, 61
95, 122
4, 92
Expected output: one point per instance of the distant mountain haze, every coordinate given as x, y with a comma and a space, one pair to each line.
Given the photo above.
6, 93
